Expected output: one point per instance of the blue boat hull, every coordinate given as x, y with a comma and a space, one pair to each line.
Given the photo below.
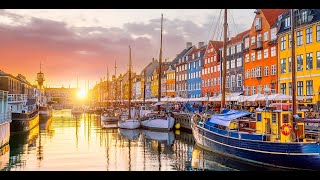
284, 155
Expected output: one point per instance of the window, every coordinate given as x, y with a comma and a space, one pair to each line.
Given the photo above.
233, 80
283, 43
266, 71
252, 73
287, 22
309, 64
247, 90
257, 23
299, 38
239, 80
273, 34
318, 59
189, 66
233, 49
290, 40
283, 88
227, 51
227, 82
273, 70
200, 63
266, 36
309, 35
304, 16
253, 56
211, 58
205, 71
219, 80
218, 68
274, 118
239, 62
299, 62
273, 51
247, 73
228, 64
300, 88
247, 58
253, 90
265, 53
214, 81
290, 88
259, 88
289, 64
215, 57
283, 66
215, 69
246, 43
309, 86
209, 70
253, 40
318, 33
239, 48
258, 71
266, 87
233, 63
259, 55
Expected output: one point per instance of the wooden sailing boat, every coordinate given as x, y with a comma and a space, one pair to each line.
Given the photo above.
130, 123
156, 120
282, 145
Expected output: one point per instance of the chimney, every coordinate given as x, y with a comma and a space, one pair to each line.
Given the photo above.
200, 44
189, 45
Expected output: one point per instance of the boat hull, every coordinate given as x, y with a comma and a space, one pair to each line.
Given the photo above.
24, 124
45, 115
109, 122
158, 124
4, 133
283, 155
129, 124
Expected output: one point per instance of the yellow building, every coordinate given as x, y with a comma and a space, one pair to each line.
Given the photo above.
154, 84
307, 52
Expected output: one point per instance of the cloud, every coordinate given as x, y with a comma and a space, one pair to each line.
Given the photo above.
67, 51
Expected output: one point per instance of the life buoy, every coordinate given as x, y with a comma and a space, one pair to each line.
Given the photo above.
286, 129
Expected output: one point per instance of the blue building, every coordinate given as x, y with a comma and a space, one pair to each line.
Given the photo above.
195, 63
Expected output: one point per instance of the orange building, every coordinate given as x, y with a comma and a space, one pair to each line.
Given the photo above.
171, 81
211, 69
260, 52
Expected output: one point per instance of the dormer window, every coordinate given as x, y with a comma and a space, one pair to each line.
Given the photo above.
304, 16
257, 24
287, 22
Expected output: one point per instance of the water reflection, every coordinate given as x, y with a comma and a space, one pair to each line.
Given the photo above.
67, 142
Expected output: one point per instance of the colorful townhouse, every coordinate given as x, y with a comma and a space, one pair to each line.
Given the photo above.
260, 52
181, 72
235, 69
211, 69
171, 78
307, 55
194, 66
155, 80
147, 74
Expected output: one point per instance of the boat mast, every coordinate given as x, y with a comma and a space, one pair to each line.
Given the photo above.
224, 61
293, 84
107, 88
160, 62
115, 78
129, 101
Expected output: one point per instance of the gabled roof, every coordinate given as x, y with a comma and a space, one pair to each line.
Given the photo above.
176, 60
271, 15
239, 37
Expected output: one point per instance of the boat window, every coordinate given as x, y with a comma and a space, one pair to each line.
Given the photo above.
259, 117
274, 118
285, 118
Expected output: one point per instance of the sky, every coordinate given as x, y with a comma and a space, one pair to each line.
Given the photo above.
83, 43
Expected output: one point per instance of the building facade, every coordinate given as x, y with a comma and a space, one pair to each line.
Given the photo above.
211, 70
260, 52
194, 66
307, 55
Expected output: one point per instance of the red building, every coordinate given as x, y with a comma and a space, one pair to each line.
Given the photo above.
211, 69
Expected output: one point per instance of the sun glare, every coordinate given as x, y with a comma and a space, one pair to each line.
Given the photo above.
82, 94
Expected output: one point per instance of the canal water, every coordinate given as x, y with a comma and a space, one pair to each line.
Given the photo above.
67, 143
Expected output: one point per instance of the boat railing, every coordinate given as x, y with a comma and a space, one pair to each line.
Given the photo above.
5, 117
17, 98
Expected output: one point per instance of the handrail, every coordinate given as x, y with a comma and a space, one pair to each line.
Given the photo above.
17, 97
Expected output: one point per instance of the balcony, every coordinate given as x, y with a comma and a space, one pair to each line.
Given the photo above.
257, 45
17, 98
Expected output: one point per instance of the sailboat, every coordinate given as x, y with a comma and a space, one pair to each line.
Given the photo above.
278, 140
109, 119
129, 123
158, 121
